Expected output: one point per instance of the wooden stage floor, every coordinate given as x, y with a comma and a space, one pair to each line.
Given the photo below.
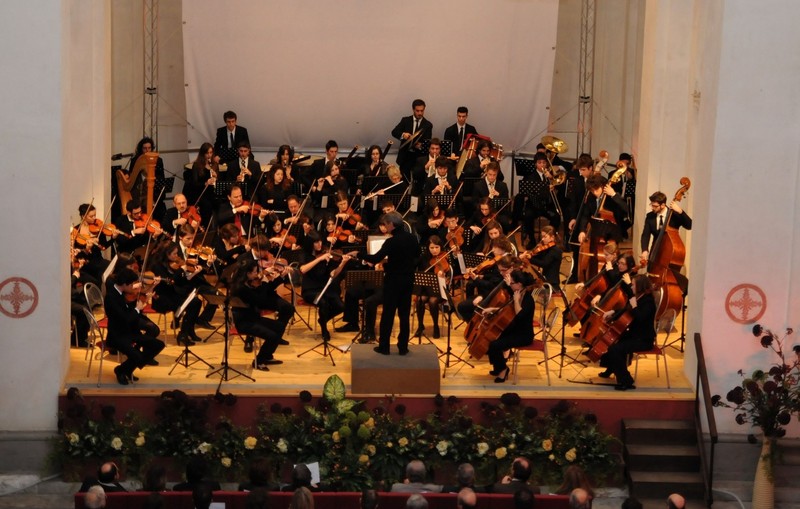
310, 371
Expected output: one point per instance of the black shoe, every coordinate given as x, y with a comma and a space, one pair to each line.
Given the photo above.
185, 339
259, 366
270, 362
326, 335
502, 376
605, 374
576, 334
122, 378
381, 351
436, 334
495, 372
248, 347
403, 351
133, 378
204, 324
624, 387
419, 332
151, 362
348, 327
282, 342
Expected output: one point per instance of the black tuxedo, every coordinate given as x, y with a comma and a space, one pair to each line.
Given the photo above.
451, 133
481, 189
549, 261
651, 230
432, 182
234, 169
226, 215
125, 335
316, 170
407, 155
128, 244
221, 143
166, 223
605, 229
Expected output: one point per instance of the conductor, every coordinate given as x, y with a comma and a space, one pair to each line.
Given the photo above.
401, 252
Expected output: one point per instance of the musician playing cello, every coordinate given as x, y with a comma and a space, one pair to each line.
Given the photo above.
520, 331
638, 337
654, 221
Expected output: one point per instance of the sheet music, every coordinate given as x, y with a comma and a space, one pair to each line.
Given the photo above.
182, 308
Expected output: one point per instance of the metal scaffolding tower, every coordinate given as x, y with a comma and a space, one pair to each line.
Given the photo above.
150, 33
586, 77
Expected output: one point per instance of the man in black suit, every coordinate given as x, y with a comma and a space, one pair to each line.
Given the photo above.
459, 131
133, 236
173, 220
228, 138
539, 203
443, 181
316, 170
655, 219
425, 166
518, 479
490, 186
576, 196
124, 333
244, 169
609, 230
407, 128
401, 251
236, 212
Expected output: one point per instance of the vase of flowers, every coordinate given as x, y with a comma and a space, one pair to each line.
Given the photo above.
766, 400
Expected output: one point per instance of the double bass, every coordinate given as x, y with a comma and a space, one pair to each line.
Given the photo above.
591, 255
667, 258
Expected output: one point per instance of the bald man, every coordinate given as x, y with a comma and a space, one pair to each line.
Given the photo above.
466, 499
579, 499
172, 218
676, 501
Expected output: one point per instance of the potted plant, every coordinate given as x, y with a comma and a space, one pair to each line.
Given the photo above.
766, 399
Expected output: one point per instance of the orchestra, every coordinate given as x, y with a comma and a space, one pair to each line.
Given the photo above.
259, 234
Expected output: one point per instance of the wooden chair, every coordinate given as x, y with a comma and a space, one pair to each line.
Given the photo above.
665, 324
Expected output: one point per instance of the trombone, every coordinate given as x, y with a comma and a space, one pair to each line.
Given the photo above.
558, 176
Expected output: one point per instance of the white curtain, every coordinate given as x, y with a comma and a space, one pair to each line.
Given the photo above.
302, 72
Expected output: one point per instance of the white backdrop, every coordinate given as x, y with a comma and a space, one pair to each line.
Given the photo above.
304, 72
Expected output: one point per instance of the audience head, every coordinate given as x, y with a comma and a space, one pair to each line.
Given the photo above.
466, 499
369, 499
257, 499
259, 471
523, 498
575, 477
676, 501
466, 475
301, 476
155, 479
196, 469
95, 498
415, 471
108, 472
521, 468
579, 499
201, 495
416, 501
302, 499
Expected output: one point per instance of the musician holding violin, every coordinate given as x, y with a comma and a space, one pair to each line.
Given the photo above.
486, 276
144, 292
248, 218
199, 181
454, 232
252, 286
346, 216
90, 241
434, 260
136, 227
316, 272
182, 213
229, 245
639, 336
547, 256
519, 332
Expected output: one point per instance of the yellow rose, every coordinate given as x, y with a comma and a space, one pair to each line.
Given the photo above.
140, 441
483, 448
402, 442
500, 453
389, 445
226, 462
250, 443
370, 423
571, 455
547, 445
552, 457
74, 438
363, 458
335, 436
371, 450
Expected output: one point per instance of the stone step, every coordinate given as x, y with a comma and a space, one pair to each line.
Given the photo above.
660, 485
662, 458
648, 431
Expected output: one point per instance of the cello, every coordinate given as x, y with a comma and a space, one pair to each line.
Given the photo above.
600, 334
591, 256
486, 326
667, 258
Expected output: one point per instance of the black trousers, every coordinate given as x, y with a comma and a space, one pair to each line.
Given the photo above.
498, 348
268, 329
139, 349
397, 290
616, 358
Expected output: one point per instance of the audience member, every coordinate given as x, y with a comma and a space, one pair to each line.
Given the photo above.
579, 499
201, 495
416, 501
155, 479
302, 499
465, 478
301, 478
676, 501
631, 503
524, 498
196, 472
95, 497
107, 477
575, 477
369, 499
518, 478
415, 480
259, 475
466, 499
257, 499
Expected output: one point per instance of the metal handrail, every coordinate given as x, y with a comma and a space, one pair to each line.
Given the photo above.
701, 382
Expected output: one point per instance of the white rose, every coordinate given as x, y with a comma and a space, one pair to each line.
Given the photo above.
483, 448
283, 446
116, 443
226, 462
73, 438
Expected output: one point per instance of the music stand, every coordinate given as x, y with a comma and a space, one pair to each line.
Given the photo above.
165, 183
327, 348
221, 189
443, 200
227, 302
363, 280
448, 308
524, 167
430, 281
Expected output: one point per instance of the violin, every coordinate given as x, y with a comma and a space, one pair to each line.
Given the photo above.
440, 263
150, 225
341, 234
191, 215
538, 249
352, 218
437, 219
255, 208
289, 241
455, 238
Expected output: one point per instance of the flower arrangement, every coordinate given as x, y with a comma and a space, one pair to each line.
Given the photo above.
767, 399
356, 447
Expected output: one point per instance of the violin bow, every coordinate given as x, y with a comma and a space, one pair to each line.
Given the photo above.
455, 195
150, 216
440, 258
252, 197
494, 216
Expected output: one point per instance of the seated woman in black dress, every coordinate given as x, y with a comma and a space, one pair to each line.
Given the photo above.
520, 331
